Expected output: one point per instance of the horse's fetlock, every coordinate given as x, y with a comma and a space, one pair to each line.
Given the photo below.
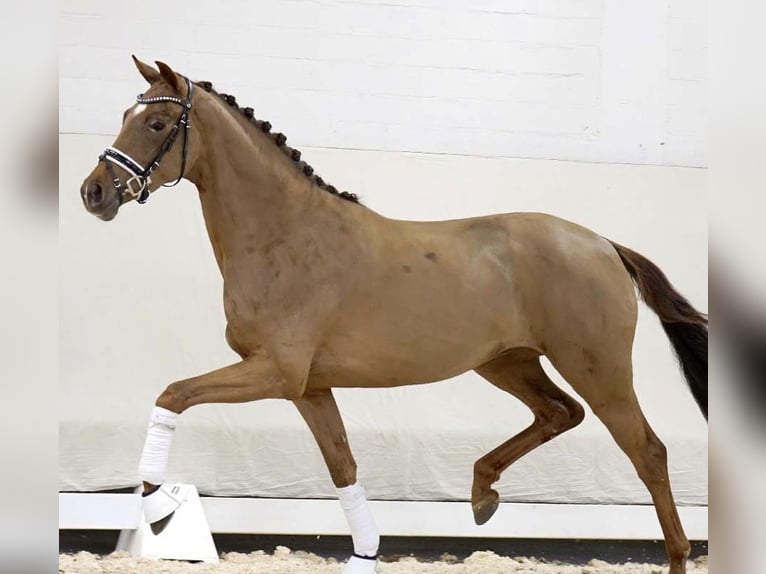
344, 474
484, 473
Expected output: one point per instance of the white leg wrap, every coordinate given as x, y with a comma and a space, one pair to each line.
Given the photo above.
363, 529
159, 435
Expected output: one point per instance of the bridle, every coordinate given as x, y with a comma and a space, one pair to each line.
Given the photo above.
137, 186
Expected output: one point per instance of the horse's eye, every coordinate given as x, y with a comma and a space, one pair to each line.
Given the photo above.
157, 126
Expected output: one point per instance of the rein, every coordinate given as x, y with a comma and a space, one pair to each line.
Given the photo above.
137, 186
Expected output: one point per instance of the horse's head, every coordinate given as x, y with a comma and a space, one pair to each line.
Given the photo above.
153, 147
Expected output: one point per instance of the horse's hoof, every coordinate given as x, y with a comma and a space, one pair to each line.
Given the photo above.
160, 525
357, 565
160, 504
486, 507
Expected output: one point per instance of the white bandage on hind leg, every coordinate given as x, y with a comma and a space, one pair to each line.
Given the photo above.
363, 530
159, 435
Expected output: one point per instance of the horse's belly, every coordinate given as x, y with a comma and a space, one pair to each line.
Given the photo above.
365, 363
375, 374
426, 325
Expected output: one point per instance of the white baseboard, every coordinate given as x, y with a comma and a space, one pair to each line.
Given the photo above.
100, 511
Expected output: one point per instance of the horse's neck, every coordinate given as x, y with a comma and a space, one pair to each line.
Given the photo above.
251, 196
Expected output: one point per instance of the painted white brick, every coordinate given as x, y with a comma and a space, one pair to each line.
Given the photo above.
689, 9
687, 33
686, 122
387, 25
685, 150
566, 8
596, 80
81, 7
553, 8
687, 93
687, 64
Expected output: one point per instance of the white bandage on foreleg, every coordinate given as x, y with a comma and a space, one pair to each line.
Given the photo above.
159, 435
360, 521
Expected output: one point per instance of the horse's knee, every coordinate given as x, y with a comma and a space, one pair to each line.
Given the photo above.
173, 398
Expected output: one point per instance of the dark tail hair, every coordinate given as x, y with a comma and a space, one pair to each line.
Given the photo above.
685, 326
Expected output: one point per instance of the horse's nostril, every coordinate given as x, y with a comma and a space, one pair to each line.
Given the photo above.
94, 194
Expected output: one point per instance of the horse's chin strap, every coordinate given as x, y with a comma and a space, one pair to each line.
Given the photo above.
137, 186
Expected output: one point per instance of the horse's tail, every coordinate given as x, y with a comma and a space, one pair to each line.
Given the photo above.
685, 326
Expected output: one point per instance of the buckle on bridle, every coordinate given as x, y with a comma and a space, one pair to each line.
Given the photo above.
137, 188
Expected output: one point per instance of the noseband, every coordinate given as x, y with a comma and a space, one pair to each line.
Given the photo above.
137, 186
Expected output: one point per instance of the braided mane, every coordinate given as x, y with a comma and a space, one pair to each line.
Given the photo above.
280, 140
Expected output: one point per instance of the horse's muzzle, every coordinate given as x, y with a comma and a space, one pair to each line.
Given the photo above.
98, 200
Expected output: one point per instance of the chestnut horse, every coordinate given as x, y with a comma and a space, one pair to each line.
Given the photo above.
322, 292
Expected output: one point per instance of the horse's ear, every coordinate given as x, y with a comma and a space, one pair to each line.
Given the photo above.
150, 74
169, 76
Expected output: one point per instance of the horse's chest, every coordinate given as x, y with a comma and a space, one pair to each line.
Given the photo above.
270, 314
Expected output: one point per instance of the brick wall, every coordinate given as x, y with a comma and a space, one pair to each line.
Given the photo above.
592, 80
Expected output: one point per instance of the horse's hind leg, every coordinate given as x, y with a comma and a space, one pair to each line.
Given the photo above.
520, 373
635, 437
319, 410
607, 385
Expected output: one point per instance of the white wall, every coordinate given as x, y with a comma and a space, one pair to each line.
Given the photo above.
593, 80
141, 307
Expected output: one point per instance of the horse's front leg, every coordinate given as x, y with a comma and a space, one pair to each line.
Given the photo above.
256, 377
318, 409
